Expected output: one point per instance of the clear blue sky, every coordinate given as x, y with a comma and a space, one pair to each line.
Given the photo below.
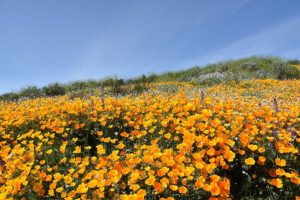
45, 41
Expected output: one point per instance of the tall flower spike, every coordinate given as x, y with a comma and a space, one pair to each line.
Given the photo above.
102, 94
91, 101
202, 96
275, 103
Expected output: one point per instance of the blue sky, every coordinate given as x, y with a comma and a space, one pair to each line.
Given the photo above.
65, 40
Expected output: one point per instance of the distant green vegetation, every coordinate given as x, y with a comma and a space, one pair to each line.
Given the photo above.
242, 69
294, 62
236, 70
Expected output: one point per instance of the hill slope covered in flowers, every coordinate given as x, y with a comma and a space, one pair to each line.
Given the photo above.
176, 141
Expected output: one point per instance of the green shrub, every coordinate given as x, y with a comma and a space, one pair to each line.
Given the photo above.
294, 62
9, 96
30, 92
285, 71
54, 89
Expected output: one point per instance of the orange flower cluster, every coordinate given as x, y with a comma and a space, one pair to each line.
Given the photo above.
155, 144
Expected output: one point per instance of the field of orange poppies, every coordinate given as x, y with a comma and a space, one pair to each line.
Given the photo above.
176, 141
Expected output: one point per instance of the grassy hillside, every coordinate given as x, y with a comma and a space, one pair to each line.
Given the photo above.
242, 69
296, 67
212, 74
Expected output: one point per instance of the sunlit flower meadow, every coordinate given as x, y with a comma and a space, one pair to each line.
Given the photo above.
176, 141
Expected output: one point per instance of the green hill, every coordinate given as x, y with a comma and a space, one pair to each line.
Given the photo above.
241, 69
255, 67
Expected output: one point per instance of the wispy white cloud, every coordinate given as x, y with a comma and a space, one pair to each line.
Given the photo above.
272, 39
280, 39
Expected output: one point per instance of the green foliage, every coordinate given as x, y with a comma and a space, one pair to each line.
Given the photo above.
9, 96
54, 89
241, 69
77, 85
116, 87
286, 72
139, 88
294, 62
30, 92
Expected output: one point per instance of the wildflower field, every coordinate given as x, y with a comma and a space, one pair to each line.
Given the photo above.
175, 141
